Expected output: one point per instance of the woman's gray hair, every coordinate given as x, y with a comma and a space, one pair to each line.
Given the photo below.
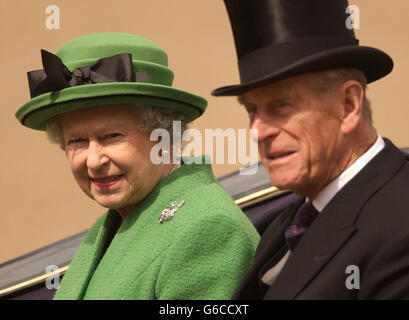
151, 118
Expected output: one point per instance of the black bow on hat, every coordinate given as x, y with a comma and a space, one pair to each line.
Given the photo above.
276, 39
56, 76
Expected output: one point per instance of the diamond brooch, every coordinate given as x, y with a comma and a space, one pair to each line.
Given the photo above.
168, 213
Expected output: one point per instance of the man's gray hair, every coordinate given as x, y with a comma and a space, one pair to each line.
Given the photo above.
151, 118
325, 81
330, 79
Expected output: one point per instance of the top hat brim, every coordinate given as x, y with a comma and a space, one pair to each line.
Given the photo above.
373, 62
36, 112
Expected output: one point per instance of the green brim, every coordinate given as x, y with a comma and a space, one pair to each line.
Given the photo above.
36, 112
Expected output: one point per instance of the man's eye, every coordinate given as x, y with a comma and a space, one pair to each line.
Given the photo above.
283, 108
251, 111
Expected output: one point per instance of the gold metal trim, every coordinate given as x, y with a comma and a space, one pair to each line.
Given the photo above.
259, 196
32, 282
243, 202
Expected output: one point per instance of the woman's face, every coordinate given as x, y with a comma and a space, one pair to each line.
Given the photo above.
109, 156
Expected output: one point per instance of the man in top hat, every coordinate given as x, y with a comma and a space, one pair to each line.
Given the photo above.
303, 81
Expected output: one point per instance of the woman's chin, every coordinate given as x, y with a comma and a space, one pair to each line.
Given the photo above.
108, 202
119, 201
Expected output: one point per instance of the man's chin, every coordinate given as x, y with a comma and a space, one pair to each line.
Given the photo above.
284, 184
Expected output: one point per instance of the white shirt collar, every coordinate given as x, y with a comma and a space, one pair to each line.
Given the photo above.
336, 185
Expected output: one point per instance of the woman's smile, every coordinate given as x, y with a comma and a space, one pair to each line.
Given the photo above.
106, 182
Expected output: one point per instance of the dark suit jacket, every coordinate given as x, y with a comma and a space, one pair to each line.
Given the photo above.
366, 224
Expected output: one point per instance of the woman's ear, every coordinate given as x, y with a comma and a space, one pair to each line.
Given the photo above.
351, 96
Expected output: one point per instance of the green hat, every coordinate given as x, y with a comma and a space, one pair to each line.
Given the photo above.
100, 69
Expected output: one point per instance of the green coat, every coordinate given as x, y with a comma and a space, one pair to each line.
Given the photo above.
202, 253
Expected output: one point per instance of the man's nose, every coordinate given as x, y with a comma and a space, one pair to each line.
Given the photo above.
96, 157
264, 129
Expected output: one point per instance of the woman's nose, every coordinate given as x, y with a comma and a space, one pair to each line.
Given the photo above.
96, 157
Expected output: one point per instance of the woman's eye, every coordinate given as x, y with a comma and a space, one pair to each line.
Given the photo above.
75, 143
112, 136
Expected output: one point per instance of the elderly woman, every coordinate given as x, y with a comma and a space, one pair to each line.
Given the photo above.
170, 231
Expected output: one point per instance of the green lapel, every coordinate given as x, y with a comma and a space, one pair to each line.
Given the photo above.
86, 260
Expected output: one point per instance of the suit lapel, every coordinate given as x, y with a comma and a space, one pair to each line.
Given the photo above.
310, 256
268, 251
335, 225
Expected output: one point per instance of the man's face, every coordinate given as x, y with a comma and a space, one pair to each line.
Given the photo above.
299, 133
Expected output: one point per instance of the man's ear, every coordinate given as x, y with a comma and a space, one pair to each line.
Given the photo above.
351, 95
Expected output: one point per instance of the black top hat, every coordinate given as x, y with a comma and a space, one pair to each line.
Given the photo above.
276, 39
